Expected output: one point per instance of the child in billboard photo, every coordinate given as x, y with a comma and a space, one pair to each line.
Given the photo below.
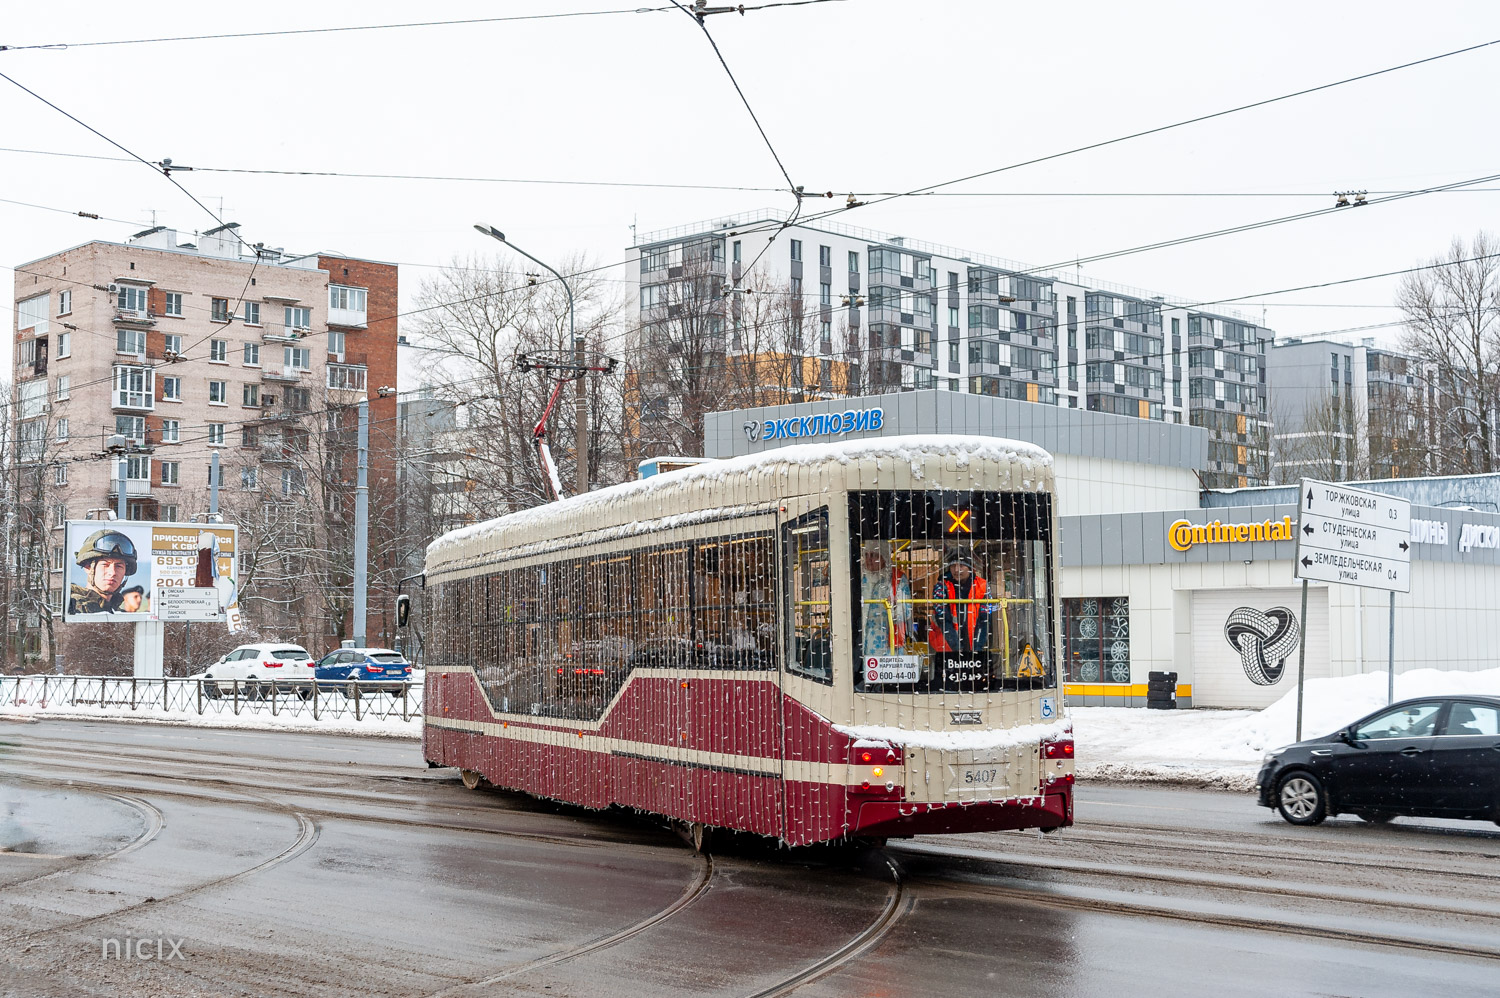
108, 559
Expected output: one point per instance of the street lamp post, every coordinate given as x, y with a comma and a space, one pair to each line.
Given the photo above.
581, 476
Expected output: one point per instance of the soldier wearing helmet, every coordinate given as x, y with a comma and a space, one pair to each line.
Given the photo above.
107, 558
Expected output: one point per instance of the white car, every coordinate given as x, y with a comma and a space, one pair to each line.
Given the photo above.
259, 669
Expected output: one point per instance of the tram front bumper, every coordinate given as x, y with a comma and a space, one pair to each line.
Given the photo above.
899, 819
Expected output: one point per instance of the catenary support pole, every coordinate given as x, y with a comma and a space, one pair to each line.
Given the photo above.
581, 414
362, 525
1301, 660
1390, 653
120, 499
213, 484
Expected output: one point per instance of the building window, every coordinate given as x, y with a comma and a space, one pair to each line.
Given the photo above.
297, 358
138, 468
251, 396
32, 314
249, 436
64, 345
292, 482
1096, 640
215, 433
60, 475
825, 333
132, 428
953, 316
64, 302
250, 478
953, 349
169, 472
134, 387
346, 376
738, 252
298, 319
171, 431
252, 313
129, 298
825, 256
219, 309
853, 261
209, 471
130, 341
171, 389
336, 343
348, 299
62, 430
173, 304
217, 392
168, 514
218, 351
63, 382
59, 514
796, 249
173, 343
825, 294
252, 354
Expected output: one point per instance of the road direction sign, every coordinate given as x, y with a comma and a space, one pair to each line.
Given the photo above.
1354, 537
175, 603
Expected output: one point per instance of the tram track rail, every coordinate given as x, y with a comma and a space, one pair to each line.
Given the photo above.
306, 838
899, 901
1322, 931
153, 823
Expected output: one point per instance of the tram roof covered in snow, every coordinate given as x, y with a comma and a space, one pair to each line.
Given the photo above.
718, 488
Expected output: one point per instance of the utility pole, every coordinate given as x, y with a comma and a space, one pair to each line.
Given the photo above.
581, 410
362, 525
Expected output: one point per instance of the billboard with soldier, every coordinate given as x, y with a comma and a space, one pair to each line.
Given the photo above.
126, 570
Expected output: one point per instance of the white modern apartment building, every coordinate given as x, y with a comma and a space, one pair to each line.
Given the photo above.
911, 315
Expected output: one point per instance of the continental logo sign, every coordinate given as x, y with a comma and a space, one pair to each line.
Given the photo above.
1183, 534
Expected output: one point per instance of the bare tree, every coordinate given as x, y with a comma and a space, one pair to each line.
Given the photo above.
1452, 314
477, 315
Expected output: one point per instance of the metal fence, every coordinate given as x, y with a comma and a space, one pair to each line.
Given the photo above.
304, 698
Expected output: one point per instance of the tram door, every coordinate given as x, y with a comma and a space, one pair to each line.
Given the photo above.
806, 676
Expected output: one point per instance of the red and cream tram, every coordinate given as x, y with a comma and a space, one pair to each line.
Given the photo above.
815, 643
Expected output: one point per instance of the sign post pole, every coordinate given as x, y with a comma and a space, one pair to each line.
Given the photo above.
1390, 662
1354, 537
1301, 659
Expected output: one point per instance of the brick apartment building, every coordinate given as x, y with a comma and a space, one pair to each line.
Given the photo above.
183, 349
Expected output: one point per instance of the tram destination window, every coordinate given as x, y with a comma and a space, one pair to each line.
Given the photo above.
951, 591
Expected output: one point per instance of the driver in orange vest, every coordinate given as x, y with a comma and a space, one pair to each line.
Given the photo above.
960, 631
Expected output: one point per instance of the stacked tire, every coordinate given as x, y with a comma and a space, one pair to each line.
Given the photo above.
1161, 691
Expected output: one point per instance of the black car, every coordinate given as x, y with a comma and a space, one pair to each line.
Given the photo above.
1433, 757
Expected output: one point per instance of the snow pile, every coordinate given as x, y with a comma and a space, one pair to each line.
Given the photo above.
913, 449
1224, 747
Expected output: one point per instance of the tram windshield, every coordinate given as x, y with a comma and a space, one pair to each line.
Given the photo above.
951, 591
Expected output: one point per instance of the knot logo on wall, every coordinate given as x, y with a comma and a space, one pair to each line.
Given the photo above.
1263, 639
752, 430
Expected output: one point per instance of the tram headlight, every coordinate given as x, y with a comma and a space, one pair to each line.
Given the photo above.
877, 772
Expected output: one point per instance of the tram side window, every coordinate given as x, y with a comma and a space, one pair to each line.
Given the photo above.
809, 573
734, 602
952, 591
664, 604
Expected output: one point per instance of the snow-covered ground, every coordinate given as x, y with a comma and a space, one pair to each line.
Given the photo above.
1224, 747
1219, 748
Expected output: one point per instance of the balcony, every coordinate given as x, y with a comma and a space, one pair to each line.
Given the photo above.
288, 374
134, 487
134, 317
284, 334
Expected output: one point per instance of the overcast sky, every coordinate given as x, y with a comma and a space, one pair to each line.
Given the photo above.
862, 95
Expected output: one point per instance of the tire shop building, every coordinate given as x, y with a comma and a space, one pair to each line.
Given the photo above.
1157, 575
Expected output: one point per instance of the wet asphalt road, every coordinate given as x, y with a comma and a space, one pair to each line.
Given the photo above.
320, 865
